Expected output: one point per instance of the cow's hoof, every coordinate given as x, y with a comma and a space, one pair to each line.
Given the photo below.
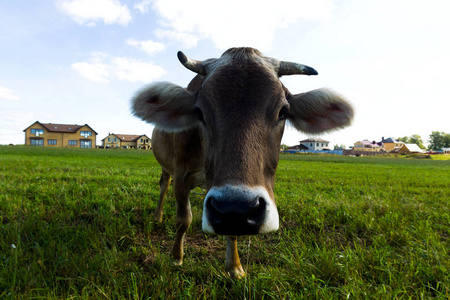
237, 273
177, 263
157, 217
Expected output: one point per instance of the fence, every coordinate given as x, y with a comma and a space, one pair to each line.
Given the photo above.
363, 153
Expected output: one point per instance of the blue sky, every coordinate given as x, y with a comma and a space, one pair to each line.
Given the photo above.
80, 61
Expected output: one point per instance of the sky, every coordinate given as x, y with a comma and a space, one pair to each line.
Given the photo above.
81, 61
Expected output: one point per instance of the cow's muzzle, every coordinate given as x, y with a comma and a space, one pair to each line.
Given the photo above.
239, 210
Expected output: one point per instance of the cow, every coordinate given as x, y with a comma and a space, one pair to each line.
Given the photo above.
223, 133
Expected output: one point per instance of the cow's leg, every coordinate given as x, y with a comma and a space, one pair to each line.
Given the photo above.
184, 216
233, 264
164, 184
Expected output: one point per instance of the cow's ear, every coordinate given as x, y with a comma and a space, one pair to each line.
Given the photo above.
320, 110
166, 105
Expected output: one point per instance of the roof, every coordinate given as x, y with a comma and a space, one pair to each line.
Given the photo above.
72, 128
367, 142
314, 140
390, 140
127, 137
61, 127
413, 147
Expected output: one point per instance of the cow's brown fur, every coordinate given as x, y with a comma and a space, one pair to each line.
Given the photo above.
226, 129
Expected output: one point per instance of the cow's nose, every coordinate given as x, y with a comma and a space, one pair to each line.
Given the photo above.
238, 210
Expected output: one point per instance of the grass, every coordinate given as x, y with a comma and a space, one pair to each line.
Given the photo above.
77, 223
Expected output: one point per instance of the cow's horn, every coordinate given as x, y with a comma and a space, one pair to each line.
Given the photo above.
290, 68
193, 65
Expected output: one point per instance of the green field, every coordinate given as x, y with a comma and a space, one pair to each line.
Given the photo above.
77, 224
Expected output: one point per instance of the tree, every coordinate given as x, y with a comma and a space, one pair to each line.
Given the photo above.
413, 139
404, 139
439, 140
339, 147
447, 140
416, 139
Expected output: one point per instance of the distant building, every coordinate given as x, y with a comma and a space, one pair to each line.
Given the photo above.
390, 144
410, 148
297, 148
60, 135
127, 141
314, 144
366, 145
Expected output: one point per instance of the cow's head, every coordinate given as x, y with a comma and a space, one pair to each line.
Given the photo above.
240, 106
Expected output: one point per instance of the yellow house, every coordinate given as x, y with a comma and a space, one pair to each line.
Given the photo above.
366, 145
391, 144
60, 135
127, 141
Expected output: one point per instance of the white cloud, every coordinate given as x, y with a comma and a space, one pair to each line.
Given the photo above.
90, 12
14, 121
236, 22
104, 68
143, 6
149, 47
185, 39
7, 94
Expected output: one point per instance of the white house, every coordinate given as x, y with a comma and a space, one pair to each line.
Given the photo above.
315, 144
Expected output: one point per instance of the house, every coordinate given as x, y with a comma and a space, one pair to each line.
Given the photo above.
294, 149
127, 141
390, 144
60, 135
314, 144
309, 145
297, 148
410, 148
386, 145
366, 145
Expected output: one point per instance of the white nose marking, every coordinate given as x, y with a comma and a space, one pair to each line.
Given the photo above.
270, 219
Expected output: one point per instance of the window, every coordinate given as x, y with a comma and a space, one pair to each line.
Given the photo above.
72, 143
37, 132
52, 142
37, 142
86, 133
86, 144
142, 140
109, 139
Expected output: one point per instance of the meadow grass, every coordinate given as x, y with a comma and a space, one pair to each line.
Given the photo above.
77, 224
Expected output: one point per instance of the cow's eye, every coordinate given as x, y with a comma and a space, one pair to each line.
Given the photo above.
199, 113
283, 112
